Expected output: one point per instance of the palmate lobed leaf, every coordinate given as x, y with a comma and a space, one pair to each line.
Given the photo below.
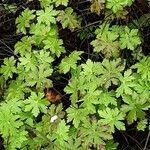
23, 21
118, 5
70, 62
12, 125
77, 115
55, 45
112, 118
24, 46
126, 84
143, 68
92, 85
10, 122
129, 38
106, 41
36, 104
107, 98
135, 106
68, 18
29, 62
61, 2
45, 3
8, 68
60, 136
93, 132
47, 16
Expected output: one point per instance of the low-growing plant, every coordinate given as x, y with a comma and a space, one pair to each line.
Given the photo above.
104, 95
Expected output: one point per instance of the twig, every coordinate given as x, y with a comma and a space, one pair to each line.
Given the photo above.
148, 136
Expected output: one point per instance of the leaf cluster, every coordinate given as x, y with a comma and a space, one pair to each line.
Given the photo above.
103, 94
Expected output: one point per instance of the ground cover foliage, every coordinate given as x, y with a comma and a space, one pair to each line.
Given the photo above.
91, 58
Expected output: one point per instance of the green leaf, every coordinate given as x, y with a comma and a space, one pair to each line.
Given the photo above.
126, 84
142, 86
61, 135
8, 68
23, 21
110, 145
68, 19
143, 68
111, 72
75, 144
11, 126
28, 62
24, 46
14, 104
17, 89
37, 28
36, 104
107, 98
142, 125
106, 42
45, 3
47, 16
16, 141
10, 123
77, 115
44, 57
61, 2
72, 88
55, 45
88, 67
112, 118
42, 75
93, 132
135, 106
118, 5
70, 62
129, 38
90, 98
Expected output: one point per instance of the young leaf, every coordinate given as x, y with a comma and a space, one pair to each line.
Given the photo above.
29, 62
47, 16
97, 6
55, 45
107, 98
70, 62
106, 42
36, 104
129, 38
36, 29
142, 125
143, 68
126, 84
77, 115
10, 122
8, 68
44, 57
72, 88
118, 5
61, 2
112, 118
68, 19
93, 132
61, 133
134, 107
111, 72
24, 46
23, 21
17, 140
45, 3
